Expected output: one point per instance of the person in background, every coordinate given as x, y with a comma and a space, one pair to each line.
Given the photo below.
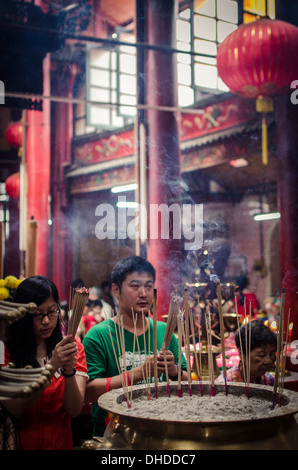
106, 293
64, 310
263, 348
94, 315
43, 421
133, 284
246, 299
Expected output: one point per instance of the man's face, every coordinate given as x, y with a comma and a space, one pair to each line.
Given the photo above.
136, 293
261, 360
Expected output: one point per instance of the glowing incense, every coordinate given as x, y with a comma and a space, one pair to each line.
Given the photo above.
279, 345
78, 301
222, 337
199, 368
155, 341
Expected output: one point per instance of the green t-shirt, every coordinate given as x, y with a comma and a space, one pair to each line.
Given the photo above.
101, 361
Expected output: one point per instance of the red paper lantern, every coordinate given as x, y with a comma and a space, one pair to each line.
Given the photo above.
12, 185
260, 60
14, 134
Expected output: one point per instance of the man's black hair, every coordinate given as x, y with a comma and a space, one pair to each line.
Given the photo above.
131, 264
261, 335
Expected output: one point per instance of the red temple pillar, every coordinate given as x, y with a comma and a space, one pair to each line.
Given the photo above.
163, 147
38, 171
287, 152
63, 77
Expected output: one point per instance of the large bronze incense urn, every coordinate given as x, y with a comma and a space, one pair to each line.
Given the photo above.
278, 431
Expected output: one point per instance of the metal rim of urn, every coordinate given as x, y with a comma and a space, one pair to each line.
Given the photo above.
111, 401
132, 432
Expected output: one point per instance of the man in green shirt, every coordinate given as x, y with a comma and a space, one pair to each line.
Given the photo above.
133, 285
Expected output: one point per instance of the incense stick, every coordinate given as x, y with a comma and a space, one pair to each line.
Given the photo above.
249, 350
210, 355
117, 360
147, 365
140, 357
279, 342
222, 337
187, 342
283, 364
195, 352
179, 354
170, 328
184, 341
240, 341
164, 352
122, 352
172, 320
155, 340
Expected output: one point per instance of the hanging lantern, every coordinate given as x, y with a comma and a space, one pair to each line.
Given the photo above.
14, 134
12, 185
259, 60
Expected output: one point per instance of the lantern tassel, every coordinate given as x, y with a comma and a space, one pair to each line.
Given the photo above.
264, 105
264, 141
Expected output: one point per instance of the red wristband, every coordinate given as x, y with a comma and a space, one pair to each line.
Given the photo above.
126, 381
108, 383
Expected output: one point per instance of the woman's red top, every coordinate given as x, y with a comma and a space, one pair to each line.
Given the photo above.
46, 425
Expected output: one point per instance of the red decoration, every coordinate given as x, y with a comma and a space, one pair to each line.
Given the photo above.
12, 185
260, 60
14, 134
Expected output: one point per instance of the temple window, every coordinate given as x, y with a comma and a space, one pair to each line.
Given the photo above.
111, 70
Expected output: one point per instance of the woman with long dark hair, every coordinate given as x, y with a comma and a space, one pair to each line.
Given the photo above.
44, 419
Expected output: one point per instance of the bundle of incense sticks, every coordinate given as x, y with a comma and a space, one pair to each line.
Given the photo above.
77, 303
222, 338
